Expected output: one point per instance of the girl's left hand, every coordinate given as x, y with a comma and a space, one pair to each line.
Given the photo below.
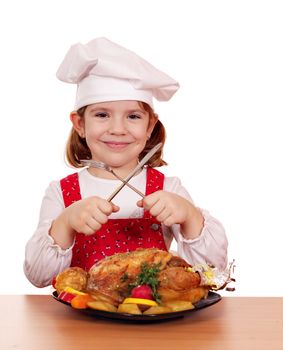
170, 208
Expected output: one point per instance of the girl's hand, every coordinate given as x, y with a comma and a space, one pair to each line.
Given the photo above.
84, 216
89, 214
170, 208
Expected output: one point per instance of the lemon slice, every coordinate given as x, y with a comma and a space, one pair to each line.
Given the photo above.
140, 301
73, 291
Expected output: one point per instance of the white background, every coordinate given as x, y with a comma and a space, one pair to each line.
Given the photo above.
224, 124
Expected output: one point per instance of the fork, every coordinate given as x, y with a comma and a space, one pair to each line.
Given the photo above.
101, 165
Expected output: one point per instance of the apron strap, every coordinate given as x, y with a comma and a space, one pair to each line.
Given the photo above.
70, 189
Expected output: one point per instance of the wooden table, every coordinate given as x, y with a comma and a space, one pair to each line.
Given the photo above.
40, 322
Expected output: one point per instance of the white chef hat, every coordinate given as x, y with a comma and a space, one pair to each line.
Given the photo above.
105, 71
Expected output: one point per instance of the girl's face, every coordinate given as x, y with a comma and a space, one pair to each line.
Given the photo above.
116, 132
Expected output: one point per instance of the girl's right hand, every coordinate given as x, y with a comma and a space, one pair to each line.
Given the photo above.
84, 216
89, 214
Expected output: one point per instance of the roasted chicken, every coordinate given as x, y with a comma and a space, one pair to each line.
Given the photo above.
113, 277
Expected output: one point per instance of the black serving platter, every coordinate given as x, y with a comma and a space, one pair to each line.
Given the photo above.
211, 299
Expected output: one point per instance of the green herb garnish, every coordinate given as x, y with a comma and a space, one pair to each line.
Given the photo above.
148, 275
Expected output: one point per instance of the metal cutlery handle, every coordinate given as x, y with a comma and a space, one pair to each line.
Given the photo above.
134, 172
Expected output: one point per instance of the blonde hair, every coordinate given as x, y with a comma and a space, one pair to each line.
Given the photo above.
77, 148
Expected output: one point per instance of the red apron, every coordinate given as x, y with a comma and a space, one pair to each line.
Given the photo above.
117, 235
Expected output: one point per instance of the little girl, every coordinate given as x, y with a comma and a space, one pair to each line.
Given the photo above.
114, 123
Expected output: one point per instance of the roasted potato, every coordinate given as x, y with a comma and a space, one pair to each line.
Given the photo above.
74, 277
129, 309
180, 305
193, 295
103, 297
156, 310
102, 305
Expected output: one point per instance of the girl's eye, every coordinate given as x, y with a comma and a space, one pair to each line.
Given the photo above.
134, 116
101, 115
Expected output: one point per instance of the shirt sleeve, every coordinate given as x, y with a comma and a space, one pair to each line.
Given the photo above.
210, 246
43, 258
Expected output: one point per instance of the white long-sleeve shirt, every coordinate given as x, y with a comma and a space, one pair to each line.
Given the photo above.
44, 259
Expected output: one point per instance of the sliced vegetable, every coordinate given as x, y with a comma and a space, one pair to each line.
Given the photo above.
80, 301
74, 291
65, 296
140, 301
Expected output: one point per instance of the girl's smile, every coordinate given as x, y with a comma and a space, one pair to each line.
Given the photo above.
116, 145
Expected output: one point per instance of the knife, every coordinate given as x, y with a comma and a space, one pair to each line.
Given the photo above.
137, 168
